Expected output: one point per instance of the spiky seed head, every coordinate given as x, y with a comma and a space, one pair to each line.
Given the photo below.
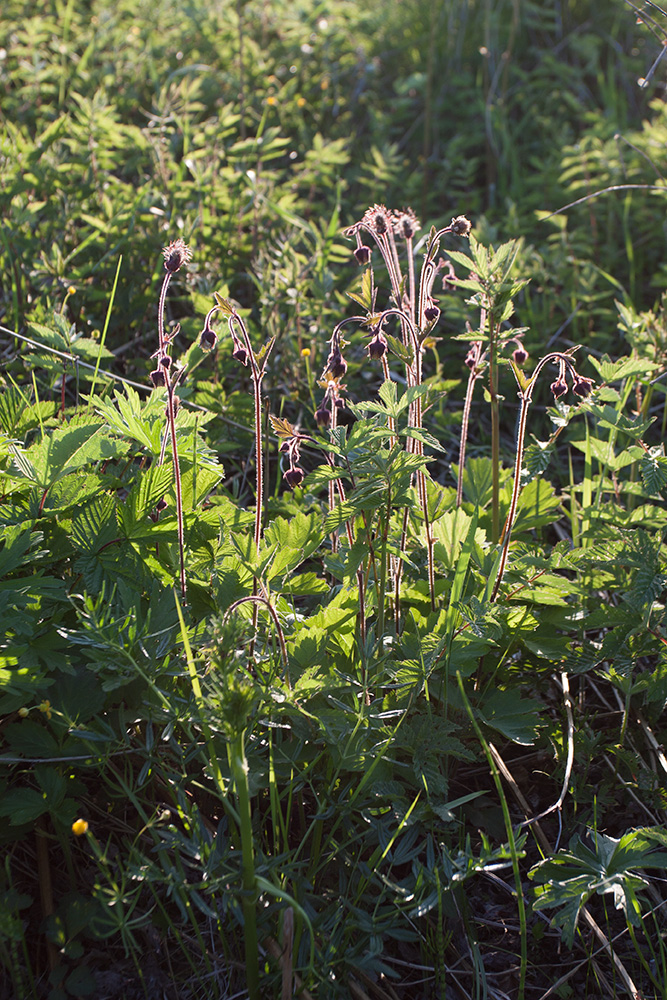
176, 255
406, 224
377, 220
461, 226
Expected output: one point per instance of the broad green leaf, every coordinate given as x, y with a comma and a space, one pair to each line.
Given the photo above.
295, 540
612, 371
66, 450
515, 717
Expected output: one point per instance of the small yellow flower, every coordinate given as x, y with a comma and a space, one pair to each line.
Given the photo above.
79, 827
45, 708
71, 290
23, 712
305, 353
324, 83
272, 101
301, 102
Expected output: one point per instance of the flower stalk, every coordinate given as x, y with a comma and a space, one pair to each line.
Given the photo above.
168, 375
581, 386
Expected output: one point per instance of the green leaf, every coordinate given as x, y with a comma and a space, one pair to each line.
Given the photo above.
364, 297
515, 717
23, 805
66, 450
653, 469
612, 371
295, 540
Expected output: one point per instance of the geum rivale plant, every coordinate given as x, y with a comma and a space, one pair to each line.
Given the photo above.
415, 310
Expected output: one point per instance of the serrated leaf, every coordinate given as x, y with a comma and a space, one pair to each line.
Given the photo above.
282, 427
612, 371
23, 805
364, 297
66, 450
515, 717
224, 305
653, 467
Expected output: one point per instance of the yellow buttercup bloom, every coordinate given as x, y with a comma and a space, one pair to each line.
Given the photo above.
79, 827
305, 353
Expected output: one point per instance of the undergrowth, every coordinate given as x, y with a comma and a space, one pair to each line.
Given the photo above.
332, 571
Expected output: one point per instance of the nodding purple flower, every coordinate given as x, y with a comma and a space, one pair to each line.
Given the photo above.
336, 364
559, 387
165, 361
377, 347
176, 255
208, 338
362, 254
432, 312
582, 386
520, 355
157, 377
159, 507
239, 353
323, 415
294, 476
461, 226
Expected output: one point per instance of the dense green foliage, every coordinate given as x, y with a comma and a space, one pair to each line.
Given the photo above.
284, 741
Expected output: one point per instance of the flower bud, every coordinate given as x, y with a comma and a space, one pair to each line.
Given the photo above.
157, 378
520, 355
208, 338
431, 313
582, 386
559, 387
323, 415
294, 476
362, 254
240, 354
377, 347
336, 364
